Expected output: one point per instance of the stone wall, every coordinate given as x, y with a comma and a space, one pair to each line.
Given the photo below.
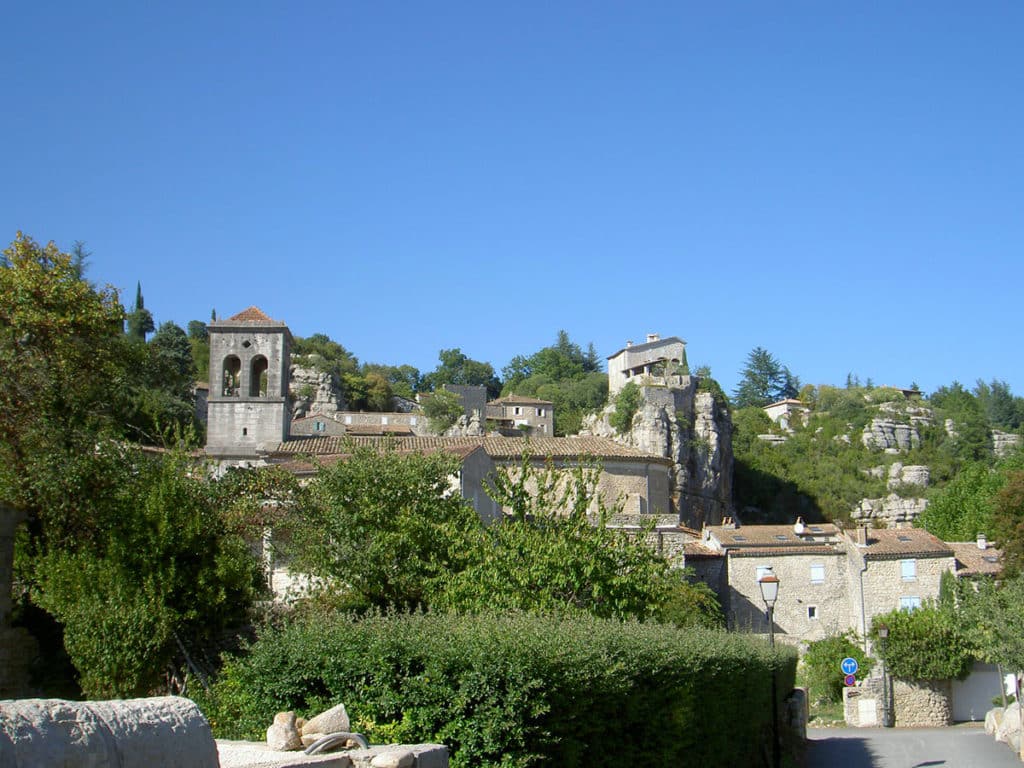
884, 585
807, 609
923, 703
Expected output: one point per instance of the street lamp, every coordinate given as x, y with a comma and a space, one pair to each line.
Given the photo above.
883, 635
769, 584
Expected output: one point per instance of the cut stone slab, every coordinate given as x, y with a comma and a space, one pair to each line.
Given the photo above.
159, 732
249, 754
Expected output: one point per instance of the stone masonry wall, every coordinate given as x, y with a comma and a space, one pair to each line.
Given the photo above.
798, 595
923, 703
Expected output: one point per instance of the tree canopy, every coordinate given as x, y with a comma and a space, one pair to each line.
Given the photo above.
764, 380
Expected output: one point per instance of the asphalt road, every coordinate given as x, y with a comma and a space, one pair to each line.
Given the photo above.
962, 746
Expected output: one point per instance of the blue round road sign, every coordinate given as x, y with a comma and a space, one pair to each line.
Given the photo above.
849, 666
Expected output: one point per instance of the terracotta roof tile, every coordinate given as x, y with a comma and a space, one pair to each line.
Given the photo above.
773, 536
519, 399
971, 561
250, 315
496, 447
893, 543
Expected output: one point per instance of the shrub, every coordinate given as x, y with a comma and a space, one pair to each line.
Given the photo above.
930, 643
515, 690
627, 403
821, 665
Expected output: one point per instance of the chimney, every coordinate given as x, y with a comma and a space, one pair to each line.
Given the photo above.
729, 523
629, 342
982, 541
861, 536
653, 337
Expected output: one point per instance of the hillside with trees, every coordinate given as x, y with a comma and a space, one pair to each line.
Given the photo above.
851, 443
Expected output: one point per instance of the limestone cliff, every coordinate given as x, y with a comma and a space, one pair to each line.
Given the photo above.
313, 391
687, 425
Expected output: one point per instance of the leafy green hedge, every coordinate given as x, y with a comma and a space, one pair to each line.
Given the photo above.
515, 690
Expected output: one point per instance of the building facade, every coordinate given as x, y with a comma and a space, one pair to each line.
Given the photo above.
657, 358
248, 410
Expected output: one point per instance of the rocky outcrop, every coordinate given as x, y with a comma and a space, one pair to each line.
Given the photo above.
313, 391
162, 732
1004, 443
466, 426
911, 474
891, 436
688, 426
892, 510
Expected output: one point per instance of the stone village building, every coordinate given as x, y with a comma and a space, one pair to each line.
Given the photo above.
250, 424
656, 358
831, 580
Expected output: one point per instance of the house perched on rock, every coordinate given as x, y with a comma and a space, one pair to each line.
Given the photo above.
657, 357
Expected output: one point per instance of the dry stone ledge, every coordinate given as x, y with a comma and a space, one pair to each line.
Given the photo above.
161, 732
244, 754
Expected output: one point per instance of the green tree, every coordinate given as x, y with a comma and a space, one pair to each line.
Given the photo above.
384, 528
442, 409
764, 380
821, 665
1008, 521
64, 366
455, 368
930, 643
199, 342
964, 507
554, 551
627, 403
160, 572
140, 319
162, 402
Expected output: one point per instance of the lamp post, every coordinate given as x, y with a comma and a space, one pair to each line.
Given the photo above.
769, 584
883, 635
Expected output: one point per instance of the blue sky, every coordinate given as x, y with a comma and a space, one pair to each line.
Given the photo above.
840, 183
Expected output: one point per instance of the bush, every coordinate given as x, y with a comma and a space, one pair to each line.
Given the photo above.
930, 643
515, 690
627, 403
821, 666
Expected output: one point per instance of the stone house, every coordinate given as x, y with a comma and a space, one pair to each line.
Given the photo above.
628, 476
656, 358
831, 580
785, 411
516, 415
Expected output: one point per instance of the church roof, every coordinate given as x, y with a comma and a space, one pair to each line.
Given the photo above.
251, 315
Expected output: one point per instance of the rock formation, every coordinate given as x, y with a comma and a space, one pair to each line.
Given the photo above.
890, 436
892, 510
687, 425
313, 391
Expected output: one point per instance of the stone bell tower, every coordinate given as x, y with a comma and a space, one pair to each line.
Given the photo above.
250, 360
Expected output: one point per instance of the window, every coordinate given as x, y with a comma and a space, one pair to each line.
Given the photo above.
517, 411
910, 603
540, 412
812, 612
817, 573
319, 426
908, 570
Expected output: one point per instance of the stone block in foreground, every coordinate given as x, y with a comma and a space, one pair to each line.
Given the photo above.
160, 732
249, 754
